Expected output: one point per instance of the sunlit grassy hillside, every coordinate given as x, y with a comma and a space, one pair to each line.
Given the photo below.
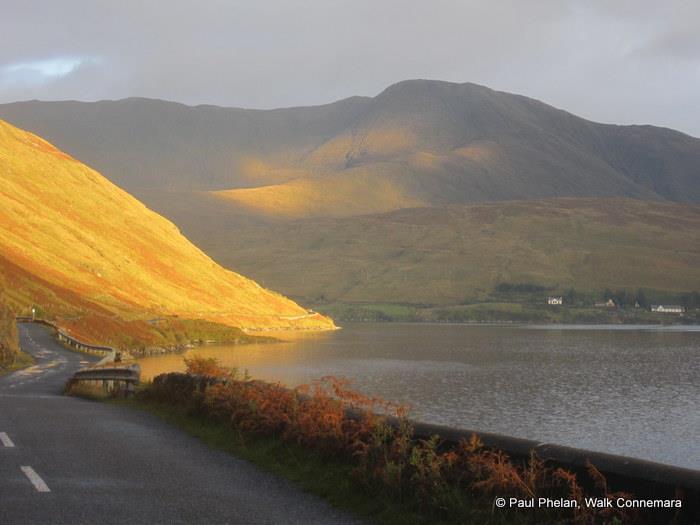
78, 246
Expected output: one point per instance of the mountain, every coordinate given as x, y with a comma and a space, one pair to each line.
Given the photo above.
93, 257
429, 193
451, 254
418, 143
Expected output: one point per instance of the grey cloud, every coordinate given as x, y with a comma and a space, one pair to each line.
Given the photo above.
679, 45
624, 61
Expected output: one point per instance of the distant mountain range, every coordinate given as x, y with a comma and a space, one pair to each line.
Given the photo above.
418, 143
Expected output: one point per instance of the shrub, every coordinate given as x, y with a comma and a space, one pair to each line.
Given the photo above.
205, 366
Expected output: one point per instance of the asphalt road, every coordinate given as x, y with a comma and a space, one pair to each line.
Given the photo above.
65, 460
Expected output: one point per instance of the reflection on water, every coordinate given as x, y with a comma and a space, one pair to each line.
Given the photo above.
627, 391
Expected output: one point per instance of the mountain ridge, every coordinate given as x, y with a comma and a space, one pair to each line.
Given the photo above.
341, 100
429, 142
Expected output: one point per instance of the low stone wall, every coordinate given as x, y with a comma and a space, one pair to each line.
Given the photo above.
645, 479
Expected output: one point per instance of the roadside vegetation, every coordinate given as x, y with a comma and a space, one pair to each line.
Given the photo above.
140, 337
11, 358
360, 453
8, 335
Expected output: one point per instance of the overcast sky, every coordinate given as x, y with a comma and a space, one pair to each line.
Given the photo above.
608, 60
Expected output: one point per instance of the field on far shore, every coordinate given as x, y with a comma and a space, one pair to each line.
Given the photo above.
498, 312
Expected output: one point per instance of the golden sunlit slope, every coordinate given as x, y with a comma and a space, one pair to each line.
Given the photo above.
73, 239
339, 195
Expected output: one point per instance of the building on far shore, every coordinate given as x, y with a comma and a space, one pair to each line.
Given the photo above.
606, 304
667, 308
555, 300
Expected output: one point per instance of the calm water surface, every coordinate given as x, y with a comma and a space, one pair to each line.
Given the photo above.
630, 390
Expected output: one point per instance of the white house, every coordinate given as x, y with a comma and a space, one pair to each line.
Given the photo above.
555, 300
667, 308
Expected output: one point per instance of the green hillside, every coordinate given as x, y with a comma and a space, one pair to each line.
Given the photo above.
455, 254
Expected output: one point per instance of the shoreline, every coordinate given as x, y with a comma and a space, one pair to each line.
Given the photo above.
503, 313
695, 326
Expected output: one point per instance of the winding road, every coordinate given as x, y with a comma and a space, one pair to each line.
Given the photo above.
66, 460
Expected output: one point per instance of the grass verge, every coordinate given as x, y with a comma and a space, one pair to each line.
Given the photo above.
328, 479
20, 360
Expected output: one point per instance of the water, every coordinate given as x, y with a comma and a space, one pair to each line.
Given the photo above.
625, 390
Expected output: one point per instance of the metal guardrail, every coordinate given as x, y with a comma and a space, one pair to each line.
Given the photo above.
112, 379
85, 347
64, 337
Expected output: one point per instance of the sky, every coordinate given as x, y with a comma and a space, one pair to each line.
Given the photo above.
616, 61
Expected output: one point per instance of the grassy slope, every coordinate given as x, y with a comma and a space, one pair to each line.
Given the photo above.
452, 254
77, 245
336, 195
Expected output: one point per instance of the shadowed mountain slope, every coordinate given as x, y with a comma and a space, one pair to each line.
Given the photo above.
445, 255
78, 246
418, 143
